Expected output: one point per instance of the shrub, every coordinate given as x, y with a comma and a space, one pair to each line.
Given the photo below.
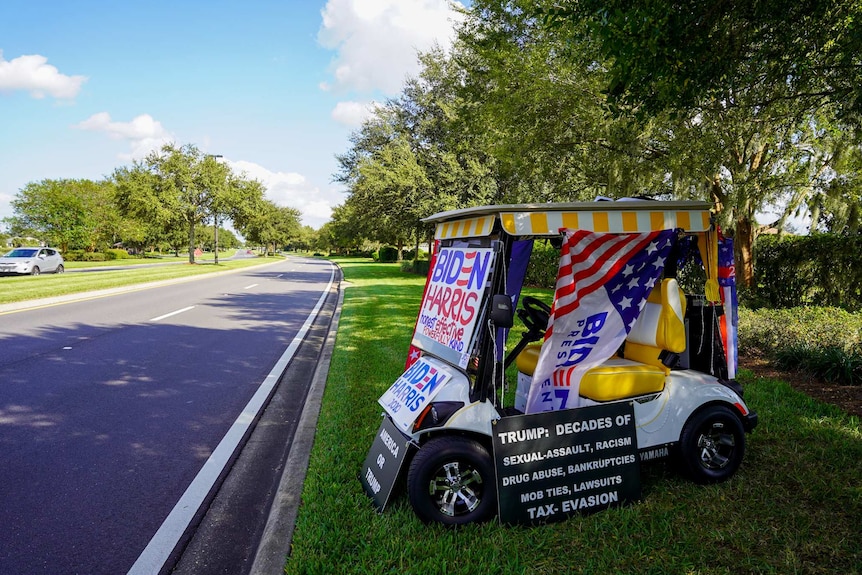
116, 254
92, 257
419, 267
824, 341
832, 364
543, 266
73, 255
821, 269
387, 254
412, 255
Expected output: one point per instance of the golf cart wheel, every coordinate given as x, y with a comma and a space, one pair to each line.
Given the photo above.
35, 271
712, 445
451, 481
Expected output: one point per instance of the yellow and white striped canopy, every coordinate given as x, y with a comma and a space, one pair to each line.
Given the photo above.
546, 219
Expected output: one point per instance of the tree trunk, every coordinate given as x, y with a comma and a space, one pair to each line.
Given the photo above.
744, 243
192, 244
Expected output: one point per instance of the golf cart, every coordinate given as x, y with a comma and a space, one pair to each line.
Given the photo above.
620, 330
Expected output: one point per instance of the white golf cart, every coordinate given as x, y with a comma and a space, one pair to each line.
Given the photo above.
672, 364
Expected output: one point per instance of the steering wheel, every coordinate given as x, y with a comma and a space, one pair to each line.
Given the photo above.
535, 314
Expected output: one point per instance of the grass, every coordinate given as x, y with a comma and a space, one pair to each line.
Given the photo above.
126, 262
795, 506
21, 288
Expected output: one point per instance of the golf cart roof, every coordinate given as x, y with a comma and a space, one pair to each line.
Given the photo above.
538, 220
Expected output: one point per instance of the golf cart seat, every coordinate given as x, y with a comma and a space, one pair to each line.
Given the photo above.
649, 352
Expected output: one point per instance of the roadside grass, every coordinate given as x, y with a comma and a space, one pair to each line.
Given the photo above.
69, 265
20, 288
795, 506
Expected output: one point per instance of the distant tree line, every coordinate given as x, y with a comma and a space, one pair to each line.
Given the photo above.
173, 200
755, 107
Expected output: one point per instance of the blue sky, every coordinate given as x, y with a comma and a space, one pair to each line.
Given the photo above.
276, 87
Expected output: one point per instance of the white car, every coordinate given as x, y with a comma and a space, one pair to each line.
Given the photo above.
32, 261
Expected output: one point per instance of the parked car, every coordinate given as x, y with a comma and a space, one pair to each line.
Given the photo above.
32, 261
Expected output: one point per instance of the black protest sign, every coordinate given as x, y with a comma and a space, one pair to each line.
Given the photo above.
383, 463
553, 465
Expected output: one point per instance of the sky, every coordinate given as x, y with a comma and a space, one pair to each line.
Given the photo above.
273, 86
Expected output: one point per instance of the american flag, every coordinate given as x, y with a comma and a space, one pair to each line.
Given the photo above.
602, 285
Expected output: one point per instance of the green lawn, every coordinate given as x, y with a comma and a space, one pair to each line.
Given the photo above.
794, 507
21, 288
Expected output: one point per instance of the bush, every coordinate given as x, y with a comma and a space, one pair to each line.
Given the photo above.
387, 254
92, 257
73, 255
824, 341
116, 254
543, 266
412, 255
419, 267
821, 269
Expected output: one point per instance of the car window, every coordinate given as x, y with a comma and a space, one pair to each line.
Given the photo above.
21, 253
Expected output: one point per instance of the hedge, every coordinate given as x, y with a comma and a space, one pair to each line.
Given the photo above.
824, 341
822, 270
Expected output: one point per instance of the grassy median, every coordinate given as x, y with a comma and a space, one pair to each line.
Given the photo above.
795, 506
20, 288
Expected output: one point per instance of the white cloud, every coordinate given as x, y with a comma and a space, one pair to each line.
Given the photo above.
32, 73
292, 190
352, 114
143, 133
376, 40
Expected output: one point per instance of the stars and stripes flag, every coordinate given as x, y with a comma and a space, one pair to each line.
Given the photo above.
602, 286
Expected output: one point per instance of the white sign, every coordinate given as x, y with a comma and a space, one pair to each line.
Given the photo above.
452, 303
413, 391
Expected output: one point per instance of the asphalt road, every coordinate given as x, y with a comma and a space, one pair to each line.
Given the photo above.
113, 409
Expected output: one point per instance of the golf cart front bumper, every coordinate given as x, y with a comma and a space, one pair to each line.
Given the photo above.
749, 421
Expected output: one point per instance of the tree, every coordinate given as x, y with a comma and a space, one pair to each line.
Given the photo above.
676, 54
178, 188
71, 214
534, 102
751, 146
272, 226
216, 178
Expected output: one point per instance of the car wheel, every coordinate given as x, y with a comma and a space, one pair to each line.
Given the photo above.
712, 445
451, 481
60, 269
35, 271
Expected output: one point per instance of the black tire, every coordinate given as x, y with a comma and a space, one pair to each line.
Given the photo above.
451, 481
712, 445
35, 271
60, 269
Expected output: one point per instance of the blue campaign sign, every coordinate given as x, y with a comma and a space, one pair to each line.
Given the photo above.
413, 390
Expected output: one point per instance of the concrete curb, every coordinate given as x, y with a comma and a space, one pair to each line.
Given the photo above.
275, 543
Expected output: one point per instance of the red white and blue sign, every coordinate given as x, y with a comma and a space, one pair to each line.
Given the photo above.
452, 303
602, 286
414, 390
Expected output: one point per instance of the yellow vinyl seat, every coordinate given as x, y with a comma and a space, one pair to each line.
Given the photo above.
660, 328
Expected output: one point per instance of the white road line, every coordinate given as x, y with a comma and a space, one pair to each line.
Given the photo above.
251, 286
154, 556
161, 317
